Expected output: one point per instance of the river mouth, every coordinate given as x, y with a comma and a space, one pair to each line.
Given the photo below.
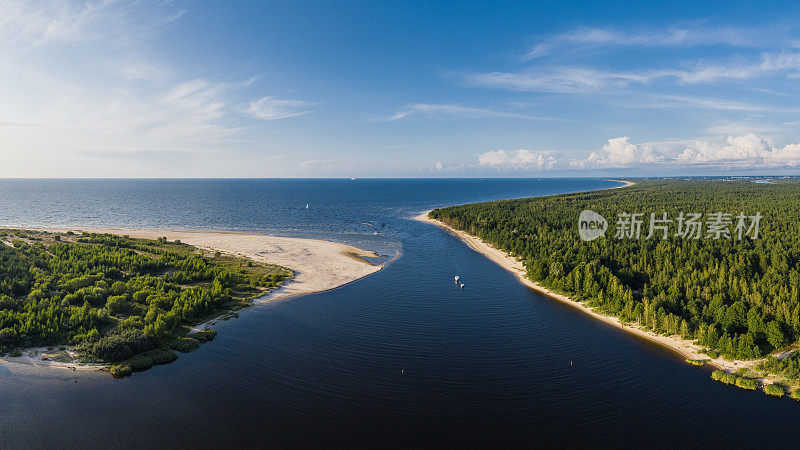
403, 357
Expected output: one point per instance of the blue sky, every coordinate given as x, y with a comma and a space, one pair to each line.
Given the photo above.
397, 89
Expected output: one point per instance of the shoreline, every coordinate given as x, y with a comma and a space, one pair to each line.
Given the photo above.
685, 348
317, 266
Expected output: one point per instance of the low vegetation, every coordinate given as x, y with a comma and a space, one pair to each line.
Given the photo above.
696, 362
735, 379
185, 345
774, 390
747, 383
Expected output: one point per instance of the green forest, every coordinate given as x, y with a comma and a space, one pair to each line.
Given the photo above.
735, 293
118, 300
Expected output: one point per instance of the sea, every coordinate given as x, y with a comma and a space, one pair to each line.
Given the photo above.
402, 358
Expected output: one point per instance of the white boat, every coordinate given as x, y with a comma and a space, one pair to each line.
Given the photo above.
306, 205
461, 285
457, 278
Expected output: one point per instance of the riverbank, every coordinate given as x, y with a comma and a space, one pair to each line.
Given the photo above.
317, 266
686, 349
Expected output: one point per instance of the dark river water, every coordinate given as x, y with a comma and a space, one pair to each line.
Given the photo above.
401, 358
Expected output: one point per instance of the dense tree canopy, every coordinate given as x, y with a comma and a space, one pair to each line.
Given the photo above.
114, 296
733, 291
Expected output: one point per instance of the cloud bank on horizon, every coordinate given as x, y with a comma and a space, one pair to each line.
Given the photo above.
170, 88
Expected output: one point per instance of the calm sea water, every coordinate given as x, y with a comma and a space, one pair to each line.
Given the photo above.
398, 359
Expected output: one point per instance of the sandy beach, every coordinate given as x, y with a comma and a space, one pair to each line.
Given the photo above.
687, 349
317, 265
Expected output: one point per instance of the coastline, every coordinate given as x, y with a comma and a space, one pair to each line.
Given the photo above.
317, 265
685, 348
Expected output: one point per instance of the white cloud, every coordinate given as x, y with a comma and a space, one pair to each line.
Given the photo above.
566, 62
521, 159
686, 36
620, 152
327, 165
82, 79
557, 79
576, 79
711, 103
742, 151
747, 151
732, 128
270, 108
30, 24
452, 111
737, 69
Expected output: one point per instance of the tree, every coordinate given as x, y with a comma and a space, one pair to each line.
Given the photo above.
775, 335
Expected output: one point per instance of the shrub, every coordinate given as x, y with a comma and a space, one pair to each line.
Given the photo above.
205, 335
140, 296
15, 353
729, 378
120, 370
121, 346
774, 389
696, 362
185, 345
119, 288
796, 394
117, 304
144, 361
140, 362
93, 335
163, 356
8, 337
747, 383
717, 375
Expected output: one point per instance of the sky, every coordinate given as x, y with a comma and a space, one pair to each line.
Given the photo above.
398, 89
